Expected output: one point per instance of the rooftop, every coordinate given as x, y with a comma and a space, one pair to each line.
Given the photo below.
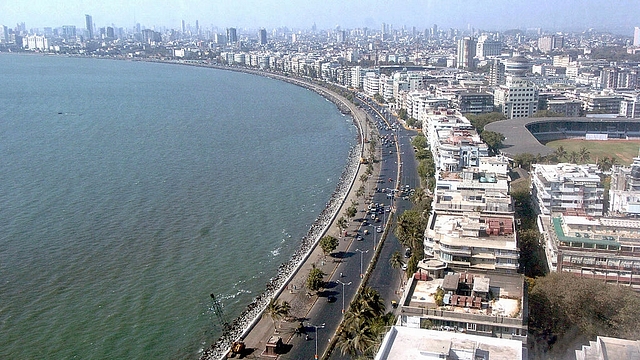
410, 343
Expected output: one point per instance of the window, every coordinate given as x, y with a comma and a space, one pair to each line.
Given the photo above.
471, 326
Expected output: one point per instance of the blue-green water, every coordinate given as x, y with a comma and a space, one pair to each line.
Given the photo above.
130, 191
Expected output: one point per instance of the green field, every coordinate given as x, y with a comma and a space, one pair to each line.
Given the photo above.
623, 150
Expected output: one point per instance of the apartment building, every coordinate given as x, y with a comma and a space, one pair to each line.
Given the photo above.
602, 248
517, 98
476, 304
624, 190
567, 187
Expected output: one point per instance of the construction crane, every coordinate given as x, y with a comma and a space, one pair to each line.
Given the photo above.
217, 310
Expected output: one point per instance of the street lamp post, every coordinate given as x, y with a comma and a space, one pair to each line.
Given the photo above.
361, 254
343, 284
374, 235
317, 327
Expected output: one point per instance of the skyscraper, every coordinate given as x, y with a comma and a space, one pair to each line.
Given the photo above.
636, 36
89, 23
466, 53
232, 36
263, 37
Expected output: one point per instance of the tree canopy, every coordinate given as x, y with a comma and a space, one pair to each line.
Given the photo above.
328, 244
566, 310
493, 140
315, 279
419, 141
479, 121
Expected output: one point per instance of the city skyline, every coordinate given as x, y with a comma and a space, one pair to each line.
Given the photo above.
571, 15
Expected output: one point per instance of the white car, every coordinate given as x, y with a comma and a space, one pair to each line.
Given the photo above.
379, 229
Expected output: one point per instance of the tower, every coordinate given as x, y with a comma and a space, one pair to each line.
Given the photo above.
232, 36
263, 36
466, 53
89, 24
636, 36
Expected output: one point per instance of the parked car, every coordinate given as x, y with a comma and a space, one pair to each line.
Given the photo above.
379, 229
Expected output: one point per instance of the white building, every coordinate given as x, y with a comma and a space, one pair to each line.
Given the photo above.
517, 98
610, 348
567, 187
487, 47
421, 344
630, 105
35, 42
624, 192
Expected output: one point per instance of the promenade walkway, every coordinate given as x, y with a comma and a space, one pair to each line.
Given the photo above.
296, 293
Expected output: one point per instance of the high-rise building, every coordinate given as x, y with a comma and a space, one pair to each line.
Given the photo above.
232, 36
466, 53
4, 34
69, 32
89, 23
263, 37
517, 98
496, 73
636, 36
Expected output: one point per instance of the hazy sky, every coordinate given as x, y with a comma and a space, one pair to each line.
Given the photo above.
462, 14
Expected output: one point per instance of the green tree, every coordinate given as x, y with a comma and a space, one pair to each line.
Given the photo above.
565, 309
423, 154
532, 259
402, 114
523, 160
583, 155
396, 260
276, 310
480, 120
410, 229
315, 279
573, 157
351, 211
493, 140
560, 153
363, 324
547, 114
328, 244
606, 163
419, 141
341, 224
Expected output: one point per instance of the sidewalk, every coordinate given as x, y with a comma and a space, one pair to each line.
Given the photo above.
295, 292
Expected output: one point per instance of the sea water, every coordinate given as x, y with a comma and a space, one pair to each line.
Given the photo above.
130, 191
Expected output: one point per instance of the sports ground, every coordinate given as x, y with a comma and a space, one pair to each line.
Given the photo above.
622, 150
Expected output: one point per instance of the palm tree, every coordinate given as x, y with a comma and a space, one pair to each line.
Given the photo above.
419, 196
396, 263
276, 310
341, 224
573, 157
583, 154
560, 153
